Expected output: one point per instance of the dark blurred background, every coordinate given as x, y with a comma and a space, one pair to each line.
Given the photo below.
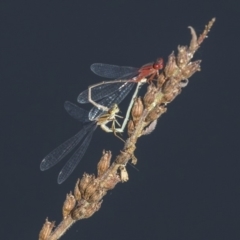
187, 186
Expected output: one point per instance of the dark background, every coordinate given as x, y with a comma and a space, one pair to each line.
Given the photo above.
187, 186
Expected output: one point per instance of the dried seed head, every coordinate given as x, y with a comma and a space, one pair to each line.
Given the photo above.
91, 188
68, 205
86, 179
150, 95
77, 193
104, 162
46, 230
171, 68
131, 127
123, 174
137, 109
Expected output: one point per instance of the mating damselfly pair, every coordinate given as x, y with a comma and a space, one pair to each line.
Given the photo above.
105, 97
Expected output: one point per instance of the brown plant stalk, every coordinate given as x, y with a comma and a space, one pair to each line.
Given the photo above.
90, 189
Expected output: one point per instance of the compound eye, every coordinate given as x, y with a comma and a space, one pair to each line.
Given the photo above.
158, 64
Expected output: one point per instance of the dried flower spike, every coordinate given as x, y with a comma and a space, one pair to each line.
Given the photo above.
89, 190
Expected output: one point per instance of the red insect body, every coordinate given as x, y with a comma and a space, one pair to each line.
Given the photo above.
150, 70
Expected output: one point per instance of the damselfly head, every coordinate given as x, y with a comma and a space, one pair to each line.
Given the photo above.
114, 109
158, 65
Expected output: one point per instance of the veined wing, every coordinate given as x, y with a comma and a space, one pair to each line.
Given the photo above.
112, 71
99, 92
115, 97
61, 151
107, 71
76, 112
76, 157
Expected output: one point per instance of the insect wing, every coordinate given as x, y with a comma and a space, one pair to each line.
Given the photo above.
76, 112
76, 157
105, 89
113, 71
61, 151
117, 97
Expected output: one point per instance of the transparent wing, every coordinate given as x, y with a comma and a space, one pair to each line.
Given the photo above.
117, 97
76, 112
112, 71
61, 151
76, 157
99, 92
107, 71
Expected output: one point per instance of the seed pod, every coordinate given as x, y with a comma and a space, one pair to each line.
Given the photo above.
46, 230
137, 109
104, 162
68, 205
150, 95
171, 68
86, 179
130, 127
91, 188
77, 193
